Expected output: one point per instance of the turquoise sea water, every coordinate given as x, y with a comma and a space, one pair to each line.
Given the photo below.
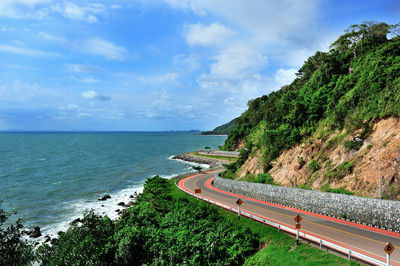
50, 178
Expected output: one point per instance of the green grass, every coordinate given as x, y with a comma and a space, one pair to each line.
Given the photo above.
278, 248
226, 158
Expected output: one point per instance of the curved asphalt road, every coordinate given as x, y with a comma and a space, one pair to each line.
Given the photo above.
364, 239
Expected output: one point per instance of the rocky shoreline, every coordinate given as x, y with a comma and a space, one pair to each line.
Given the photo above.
197, 159
36, 233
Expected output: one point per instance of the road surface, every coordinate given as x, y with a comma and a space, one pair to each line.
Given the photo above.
364, 239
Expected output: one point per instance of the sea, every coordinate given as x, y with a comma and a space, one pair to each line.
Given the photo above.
50, 179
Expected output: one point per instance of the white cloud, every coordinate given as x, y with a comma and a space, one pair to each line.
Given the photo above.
89, 80
116, 7
5, 28
78, 68
25, 51
56, 39
268, 20
22, 8
94, 95
17, 42
214, 34
172, 76
104, 48
112, 114
70, 107
190, 62
237, 61
285, 76
84, 115
85, 12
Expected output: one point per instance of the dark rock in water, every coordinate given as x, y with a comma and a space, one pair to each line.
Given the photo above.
121, 203
105, 197
117, 210
131, 197
102, 205
77, 220
35, 232
37, 243
48, 239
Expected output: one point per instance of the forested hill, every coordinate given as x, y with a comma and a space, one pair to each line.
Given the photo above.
347, 88
225, 129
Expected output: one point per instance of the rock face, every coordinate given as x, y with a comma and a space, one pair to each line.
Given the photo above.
381, 213
105, 197
199, 159
292, 169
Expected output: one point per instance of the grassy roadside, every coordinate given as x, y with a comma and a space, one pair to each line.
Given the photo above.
278, 248
226, 158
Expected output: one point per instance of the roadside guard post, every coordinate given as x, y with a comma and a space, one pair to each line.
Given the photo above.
297, 219
388, 249
239, 202
197, 191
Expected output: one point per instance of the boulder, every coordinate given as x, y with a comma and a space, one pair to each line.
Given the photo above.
35, 232
121, 203
105, 197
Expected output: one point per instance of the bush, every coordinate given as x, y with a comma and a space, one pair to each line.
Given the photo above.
340, 190
313, 166
266, 179
13, 250
352, 145
340, 171
158, 229
90, 242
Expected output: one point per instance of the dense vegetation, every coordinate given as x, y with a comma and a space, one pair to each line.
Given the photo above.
13, 250
355, 83
158, 229
166, 226
225, 129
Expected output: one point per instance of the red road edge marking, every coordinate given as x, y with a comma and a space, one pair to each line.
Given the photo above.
362, 226
208, 184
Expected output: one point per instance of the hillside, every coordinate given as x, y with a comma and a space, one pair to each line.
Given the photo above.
303, 134
225, 129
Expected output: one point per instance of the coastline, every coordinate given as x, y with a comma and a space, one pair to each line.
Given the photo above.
198, 160
114, 206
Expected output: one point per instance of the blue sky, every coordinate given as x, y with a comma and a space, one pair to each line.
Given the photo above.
158, 64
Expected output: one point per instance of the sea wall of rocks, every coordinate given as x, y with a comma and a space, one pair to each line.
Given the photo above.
379, 213
197, 159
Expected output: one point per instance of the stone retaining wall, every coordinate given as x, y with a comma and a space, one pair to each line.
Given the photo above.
379, 213
198, 159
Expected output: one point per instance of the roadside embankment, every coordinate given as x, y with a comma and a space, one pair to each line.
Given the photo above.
198, 159
379, 213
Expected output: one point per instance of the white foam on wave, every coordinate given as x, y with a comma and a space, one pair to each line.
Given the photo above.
204, 166
106, 207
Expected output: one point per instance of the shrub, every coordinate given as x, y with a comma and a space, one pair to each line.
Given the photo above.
352, 145
266, 179
340, 190
13, 250
313, 166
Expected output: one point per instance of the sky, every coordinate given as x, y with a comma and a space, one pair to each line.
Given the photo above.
148, 65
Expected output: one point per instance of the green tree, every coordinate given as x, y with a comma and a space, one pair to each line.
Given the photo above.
87, 243
13, 250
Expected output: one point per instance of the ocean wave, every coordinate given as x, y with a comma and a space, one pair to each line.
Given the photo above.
77, 208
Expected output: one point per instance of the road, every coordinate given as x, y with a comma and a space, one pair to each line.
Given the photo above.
364, 239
